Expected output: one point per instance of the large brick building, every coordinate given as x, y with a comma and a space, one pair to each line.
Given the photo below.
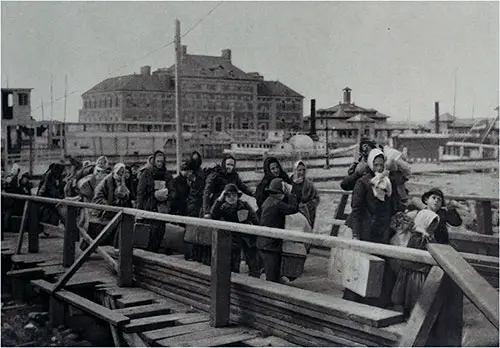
216, 95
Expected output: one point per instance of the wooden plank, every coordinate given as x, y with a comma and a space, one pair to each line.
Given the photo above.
220, 278
134, 340
269, 341
125, 269
484, 217
33, 258
70, 231
339, 214
90, 249
24, 220
146, 310
32, 273
132, 301
360, 272
475, 287
426, 310
82, 303
187, 338
33, 227
154, 335
101, 251
195, 318
153, 323
220, 340
108, 302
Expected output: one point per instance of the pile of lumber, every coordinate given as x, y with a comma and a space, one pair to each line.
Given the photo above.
300, 316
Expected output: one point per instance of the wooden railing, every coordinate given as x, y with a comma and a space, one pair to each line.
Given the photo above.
483, 207
441, 291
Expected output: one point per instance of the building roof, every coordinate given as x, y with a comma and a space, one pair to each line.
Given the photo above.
16, 89
276, 88
360, 118
209, 66
134, 82
342, 110
446, 117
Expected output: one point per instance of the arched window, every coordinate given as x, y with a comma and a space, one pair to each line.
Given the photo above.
117, 102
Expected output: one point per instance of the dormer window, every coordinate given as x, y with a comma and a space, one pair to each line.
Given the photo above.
23, 99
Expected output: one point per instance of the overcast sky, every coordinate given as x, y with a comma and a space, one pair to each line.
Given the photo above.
392, 54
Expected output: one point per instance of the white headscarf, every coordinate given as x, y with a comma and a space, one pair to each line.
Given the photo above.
381, 184
15, 169
423, 221
116, 169
296, 178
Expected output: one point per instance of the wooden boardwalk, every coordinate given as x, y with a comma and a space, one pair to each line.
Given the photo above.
153, 319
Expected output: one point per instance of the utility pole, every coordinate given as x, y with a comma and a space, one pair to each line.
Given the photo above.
455, 93
51, 98
43, 114
327, 149
65, 94
63, 132
178, 100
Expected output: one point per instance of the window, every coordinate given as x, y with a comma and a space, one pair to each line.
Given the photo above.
204, 126
244, 125
23, 99
218, 124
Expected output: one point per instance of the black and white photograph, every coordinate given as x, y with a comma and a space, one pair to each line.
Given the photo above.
250, 173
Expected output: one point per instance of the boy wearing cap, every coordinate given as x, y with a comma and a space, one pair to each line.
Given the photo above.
277, 205
229, 207
434, 201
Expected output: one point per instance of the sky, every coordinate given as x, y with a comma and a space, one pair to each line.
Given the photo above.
398, 57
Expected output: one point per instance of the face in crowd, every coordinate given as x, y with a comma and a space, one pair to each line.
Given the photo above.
229, 164
301, 171
127, 174
379, 164
274, 169
231, 198
159, 161
434, 203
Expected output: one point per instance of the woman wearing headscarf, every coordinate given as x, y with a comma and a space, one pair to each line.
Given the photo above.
370, 218
303, 188
411, 276
272, 169
111, 191
154, 193
51, 186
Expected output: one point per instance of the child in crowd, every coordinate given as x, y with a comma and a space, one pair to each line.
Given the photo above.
411, 275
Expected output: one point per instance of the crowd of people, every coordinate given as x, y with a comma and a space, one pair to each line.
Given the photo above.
382, 211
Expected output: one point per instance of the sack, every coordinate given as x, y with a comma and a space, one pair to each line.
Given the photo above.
161, 195
173, 238
198, 235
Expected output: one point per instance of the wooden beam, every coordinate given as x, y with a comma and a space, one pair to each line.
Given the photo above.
24, 219
126, 250
33, 228
426, 310
91, 248
70, 231
109, 260
484, 217
339, 214
475, 287
220, 283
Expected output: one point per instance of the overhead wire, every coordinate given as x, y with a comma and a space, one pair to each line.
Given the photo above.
144, 55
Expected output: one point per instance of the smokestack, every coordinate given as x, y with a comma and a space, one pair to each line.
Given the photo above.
312, 118
226, 54
347, 95
436, 116
146, 70
184, 50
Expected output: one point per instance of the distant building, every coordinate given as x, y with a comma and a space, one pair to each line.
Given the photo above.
345, 122
216, 95
16, 104
470, 127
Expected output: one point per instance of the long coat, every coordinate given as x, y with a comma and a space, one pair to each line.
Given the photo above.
180, 196
146, 189
105, 194
370, 218
309, 200
273, 214
261, 191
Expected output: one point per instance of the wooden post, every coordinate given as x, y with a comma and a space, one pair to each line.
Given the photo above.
33, 227
178, 99
24, 220
220, 281
56, 312
125, 258
70, 231
90, 249
484, 217
339, 214
426, 310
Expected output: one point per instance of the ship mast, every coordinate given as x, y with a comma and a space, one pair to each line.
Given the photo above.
178, 108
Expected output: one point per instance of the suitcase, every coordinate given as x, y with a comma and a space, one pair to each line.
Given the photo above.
293, 259
142, 235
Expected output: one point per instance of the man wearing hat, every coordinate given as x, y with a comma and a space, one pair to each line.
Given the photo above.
277, 205
434, 201
229, 207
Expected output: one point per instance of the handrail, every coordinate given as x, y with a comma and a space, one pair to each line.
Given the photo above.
392, 251
402, 253
418, 194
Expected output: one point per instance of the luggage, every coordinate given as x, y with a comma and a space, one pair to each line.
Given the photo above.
293, 258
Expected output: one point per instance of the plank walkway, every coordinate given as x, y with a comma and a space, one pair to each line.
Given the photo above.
151, 319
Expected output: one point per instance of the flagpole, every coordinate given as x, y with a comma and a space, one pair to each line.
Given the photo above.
178, 100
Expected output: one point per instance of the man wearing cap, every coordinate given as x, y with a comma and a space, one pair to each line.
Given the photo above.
277, 205
229, 207
434, 201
